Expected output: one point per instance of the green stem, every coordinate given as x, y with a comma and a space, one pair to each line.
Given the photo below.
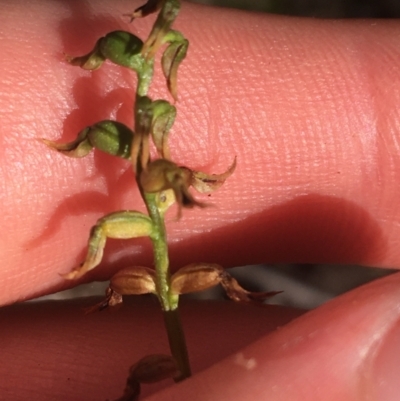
145, 76
160, 249
169, 302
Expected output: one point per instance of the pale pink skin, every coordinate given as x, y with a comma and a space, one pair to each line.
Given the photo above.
310, 109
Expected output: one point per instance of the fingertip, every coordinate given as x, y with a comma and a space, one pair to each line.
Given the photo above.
329, 353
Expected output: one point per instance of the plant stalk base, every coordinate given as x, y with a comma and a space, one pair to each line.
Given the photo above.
177, 343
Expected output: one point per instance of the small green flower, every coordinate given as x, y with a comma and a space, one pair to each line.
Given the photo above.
120, 47
108, 136
120, 225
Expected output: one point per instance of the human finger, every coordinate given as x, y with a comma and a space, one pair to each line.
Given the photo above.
308, 107
345, 350
52, 350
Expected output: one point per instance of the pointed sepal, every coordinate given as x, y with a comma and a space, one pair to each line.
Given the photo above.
111, 137
237, 293
120, 225
78, 148
91, 61
207, 183
172, 58
113, 300
201, 276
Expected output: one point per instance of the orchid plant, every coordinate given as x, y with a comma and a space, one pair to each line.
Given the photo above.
161, 183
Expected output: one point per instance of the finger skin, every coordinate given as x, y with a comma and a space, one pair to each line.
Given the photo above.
332, 353
310, 109
52, 351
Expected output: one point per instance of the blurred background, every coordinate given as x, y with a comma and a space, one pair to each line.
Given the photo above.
303, 286
317, 8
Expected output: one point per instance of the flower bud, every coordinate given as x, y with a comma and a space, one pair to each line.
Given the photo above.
135, 280
108, 136
163, 174
122, 48
111, 137
196, 277
160, 175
